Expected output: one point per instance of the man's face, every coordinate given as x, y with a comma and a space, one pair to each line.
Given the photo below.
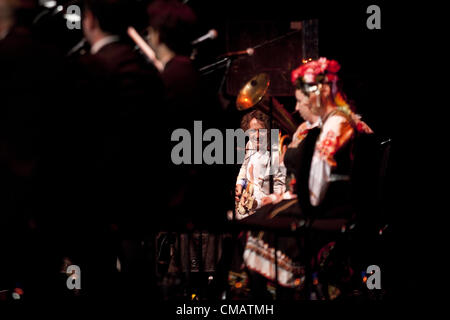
256, 132
89, 24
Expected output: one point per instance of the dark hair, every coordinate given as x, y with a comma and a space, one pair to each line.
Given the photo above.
175, 23
258, 115
114, 16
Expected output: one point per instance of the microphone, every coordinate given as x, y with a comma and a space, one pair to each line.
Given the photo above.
212, 34
246, 52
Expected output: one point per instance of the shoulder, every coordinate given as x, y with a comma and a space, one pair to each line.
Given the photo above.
180, 63
117, 55
180, 68
337, 121
120, 58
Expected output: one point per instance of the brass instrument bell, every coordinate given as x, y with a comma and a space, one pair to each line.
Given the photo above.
254, 94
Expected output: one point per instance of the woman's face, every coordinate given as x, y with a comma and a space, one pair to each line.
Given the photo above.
303, 106
313, 101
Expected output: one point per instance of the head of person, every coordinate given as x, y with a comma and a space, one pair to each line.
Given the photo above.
20, 12
302, 107
172, 25
317, 90
105, 17
256, 123
6, 16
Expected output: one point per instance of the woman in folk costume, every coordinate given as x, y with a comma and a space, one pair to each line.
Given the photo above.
318, 163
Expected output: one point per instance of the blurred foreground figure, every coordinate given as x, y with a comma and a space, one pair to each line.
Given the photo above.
190, 203
31, 85
114, 140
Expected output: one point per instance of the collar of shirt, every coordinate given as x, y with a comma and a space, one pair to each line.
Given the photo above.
318, 123
103, 42
313, 125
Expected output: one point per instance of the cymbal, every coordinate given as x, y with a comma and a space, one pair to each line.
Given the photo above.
253, 91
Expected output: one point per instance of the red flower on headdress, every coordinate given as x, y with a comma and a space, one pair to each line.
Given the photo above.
333, 66
308, 72
332, 77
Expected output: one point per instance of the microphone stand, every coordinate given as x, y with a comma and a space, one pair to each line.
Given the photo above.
269, 137
223, 63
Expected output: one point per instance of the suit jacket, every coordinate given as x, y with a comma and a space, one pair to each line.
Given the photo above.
121, 96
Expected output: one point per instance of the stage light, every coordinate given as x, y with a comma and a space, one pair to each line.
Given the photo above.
72, 17
17, 293
49, 4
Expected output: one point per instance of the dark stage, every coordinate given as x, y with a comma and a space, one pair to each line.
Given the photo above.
97, 203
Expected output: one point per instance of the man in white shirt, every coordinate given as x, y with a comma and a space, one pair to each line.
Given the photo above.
258, 165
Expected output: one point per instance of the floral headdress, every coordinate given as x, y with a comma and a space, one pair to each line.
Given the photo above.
314, 72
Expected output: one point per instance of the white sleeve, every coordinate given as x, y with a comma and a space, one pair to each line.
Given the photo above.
279, 180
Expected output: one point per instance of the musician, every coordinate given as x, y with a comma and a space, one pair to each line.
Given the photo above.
317, 88
321, 162
31, 92
311, 121
256, 167
189, 198
119, 94
170, 32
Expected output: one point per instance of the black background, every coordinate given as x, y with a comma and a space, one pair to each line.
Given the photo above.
382, 72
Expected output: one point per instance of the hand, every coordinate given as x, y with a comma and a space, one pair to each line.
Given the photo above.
244, 197
266, 200
269, 200
238, 192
